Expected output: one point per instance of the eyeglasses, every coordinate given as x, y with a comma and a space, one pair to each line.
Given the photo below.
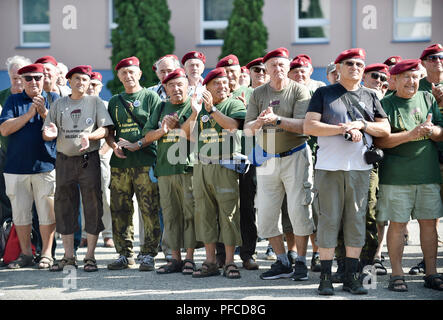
359, 65
258, 70
29, 78
85, 159
435, 58
376, 75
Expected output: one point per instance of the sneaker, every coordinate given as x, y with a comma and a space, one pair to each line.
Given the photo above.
300, 271
418, 269
325, 288
292, 255
121, 263
147, 264
270, 254
353, 285
22, 261
315, 263
278, 270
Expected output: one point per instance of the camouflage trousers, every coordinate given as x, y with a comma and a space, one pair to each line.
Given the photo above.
371, 243
124, 183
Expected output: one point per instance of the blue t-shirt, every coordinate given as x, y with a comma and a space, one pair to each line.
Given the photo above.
27, 152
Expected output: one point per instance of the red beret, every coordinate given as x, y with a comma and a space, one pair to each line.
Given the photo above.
193, 55
154, 67
47, 59
392, 61
354, 53
31, 68
79, 69
244, 70
96, 76
127, 62
305, 56
277, 53
255, 62
435, 48
177, 73
229, 60
300, 62
406, 65
215, 73
380, 67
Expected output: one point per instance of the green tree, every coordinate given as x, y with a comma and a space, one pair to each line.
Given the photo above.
246, 35
143, 31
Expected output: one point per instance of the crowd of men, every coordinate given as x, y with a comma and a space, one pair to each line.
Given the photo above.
256, 151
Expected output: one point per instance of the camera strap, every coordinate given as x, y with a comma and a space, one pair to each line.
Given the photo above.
352, 114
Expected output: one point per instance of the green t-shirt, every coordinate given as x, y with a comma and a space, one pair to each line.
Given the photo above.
247, 90
414, 162
213, 141
168, 161
142, 105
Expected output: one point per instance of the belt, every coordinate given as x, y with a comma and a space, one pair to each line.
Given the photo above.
286, 153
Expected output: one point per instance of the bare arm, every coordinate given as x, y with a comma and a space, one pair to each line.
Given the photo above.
313, 126
13, 125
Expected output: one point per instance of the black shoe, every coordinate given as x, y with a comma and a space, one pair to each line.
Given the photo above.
278, 270
315, 263
325, 288
353, 285
300, 271
418, 269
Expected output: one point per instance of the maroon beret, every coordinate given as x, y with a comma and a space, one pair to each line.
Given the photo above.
96, 76
193, 55
31, 68
300, 62
154, 67
215, 73
128, 62
229, 60
79, 69
406, 65
177, 73
255, 62
244, 70
277, 53
354, 53
47, 59
380, 67
435, 48
392, 61
305, 56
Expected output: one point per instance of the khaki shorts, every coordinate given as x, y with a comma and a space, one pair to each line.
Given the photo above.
341, 200
291, 175
400, 203
25, 189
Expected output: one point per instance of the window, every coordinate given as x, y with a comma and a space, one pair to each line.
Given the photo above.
34, 23
412, 20
312, 21
214, 20
112, 18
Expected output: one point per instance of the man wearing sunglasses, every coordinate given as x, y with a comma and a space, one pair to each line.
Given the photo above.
258, 72
342, 178
374, 76
29, 167
78, 122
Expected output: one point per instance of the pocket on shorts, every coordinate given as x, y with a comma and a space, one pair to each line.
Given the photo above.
308, 195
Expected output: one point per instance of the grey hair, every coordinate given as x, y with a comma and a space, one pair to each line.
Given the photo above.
17, 61
176, 62
62, 67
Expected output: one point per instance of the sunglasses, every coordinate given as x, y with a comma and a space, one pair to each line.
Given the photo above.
376, 75
85, 159
258, 70
359, 65
29, 78
435, 58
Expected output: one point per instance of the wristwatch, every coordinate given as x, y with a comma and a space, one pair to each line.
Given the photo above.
365, 124
213, 109
278, 121
140, 144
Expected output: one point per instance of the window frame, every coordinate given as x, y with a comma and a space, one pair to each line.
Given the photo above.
215, 24
310, 22
111, 24
37, 27
398, 20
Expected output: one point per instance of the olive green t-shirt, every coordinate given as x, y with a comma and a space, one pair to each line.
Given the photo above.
142, 105
414, 162
290, 102
173, 149
247, 90
213, 141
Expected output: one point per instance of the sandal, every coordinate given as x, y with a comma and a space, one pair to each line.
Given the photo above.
60, 265
22, 261
188, 269
233, 273
397, 284
380, 268
45, 262
434, 281
418, 269
172, 267
90, 265
207, 270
